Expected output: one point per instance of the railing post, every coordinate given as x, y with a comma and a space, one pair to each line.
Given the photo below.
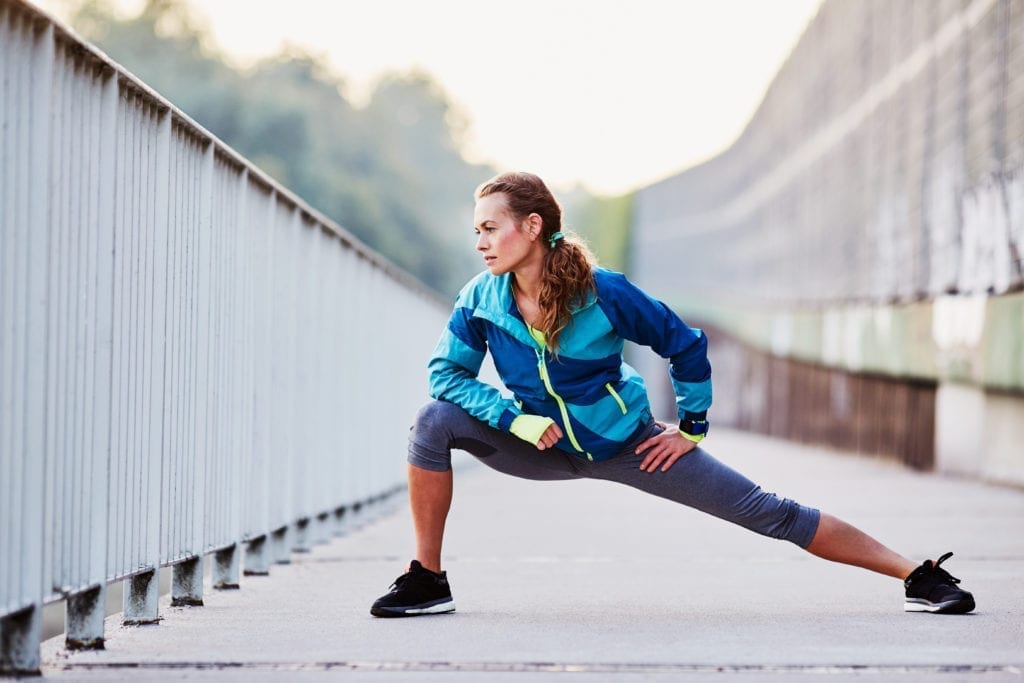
356, 513
302, 533
340, 520
280, 545
322, 532
19, 641
141, 597
83, 619
225, 568
187, 583
257, 557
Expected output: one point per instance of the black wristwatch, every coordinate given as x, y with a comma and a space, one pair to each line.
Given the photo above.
692, 429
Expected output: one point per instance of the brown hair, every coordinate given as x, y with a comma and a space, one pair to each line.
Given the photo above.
567, 268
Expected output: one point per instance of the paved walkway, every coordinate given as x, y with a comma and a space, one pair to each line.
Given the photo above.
587, 581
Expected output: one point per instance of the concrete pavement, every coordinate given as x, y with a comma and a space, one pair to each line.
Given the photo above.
589, 581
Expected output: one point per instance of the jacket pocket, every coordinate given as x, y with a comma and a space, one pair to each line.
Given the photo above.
618, 399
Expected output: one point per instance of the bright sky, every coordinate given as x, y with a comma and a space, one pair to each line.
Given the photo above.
613, 94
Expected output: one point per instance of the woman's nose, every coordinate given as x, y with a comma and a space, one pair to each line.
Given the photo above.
481, 242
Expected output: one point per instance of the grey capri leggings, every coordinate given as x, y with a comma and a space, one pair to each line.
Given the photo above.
697, 479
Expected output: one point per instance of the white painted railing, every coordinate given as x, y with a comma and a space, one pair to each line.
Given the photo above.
192, 361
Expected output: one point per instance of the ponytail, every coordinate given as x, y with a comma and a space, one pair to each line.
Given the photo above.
567, 281
568, 266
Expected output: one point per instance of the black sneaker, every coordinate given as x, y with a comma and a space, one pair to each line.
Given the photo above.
418, 591
932, 589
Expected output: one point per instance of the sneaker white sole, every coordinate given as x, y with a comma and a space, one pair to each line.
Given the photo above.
919, 605
441, 608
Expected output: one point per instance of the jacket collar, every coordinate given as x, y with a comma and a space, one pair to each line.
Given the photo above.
498, 305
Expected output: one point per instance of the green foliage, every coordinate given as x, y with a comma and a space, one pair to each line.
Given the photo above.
605, 223
391, 173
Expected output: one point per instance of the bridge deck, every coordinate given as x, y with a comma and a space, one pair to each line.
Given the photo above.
591, 578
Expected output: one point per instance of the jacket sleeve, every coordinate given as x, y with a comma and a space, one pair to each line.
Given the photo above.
455, 365
644, 320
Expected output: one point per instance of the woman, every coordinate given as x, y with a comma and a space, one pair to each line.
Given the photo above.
555, 326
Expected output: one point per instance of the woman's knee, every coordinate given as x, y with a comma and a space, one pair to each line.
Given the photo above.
441, 426
430, 436
776, 517
437, 415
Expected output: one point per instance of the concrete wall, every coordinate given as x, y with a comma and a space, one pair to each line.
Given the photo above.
867, 227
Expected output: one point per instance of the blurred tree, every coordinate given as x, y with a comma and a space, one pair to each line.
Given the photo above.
391, 173
605, 222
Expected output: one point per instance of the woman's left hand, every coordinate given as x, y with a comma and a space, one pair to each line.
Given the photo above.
664, 449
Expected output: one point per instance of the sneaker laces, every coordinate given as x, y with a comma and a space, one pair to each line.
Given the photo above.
397, 583
418, 568
942, 573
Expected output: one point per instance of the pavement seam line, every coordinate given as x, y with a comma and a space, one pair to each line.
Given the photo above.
557, 667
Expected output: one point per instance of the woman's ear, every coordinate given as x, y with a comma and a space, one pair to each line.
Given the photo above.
534, 225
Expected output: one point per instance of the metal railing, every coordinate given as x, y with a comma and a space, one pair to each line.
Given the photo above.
192, 360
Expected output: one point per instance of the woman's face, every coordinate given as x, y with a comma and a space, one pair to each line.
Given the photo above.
505, 244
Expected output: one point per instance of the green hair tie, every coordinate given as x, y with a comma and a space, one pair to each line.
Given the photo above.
554, 238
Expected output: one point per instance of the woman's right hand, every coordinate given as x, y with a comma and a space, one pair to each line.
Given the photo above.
542, 432
550, 437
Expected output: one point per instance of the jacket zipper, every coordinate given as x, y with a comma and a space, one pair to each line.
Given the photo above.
542, 367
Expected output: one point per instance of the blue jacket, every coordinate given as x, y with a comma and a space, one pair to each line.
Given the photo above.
598, 400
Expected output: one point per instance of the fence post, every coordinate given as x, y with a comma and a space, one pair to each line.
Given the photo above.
322, 530
19, 641
340, 520
187, 583
281, 546
301, 536
225, 568
257, 557
141, 597
83, 619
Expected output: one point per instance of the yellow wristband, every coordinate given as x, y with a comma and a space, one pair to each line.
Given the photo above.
696, 438
530, 427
